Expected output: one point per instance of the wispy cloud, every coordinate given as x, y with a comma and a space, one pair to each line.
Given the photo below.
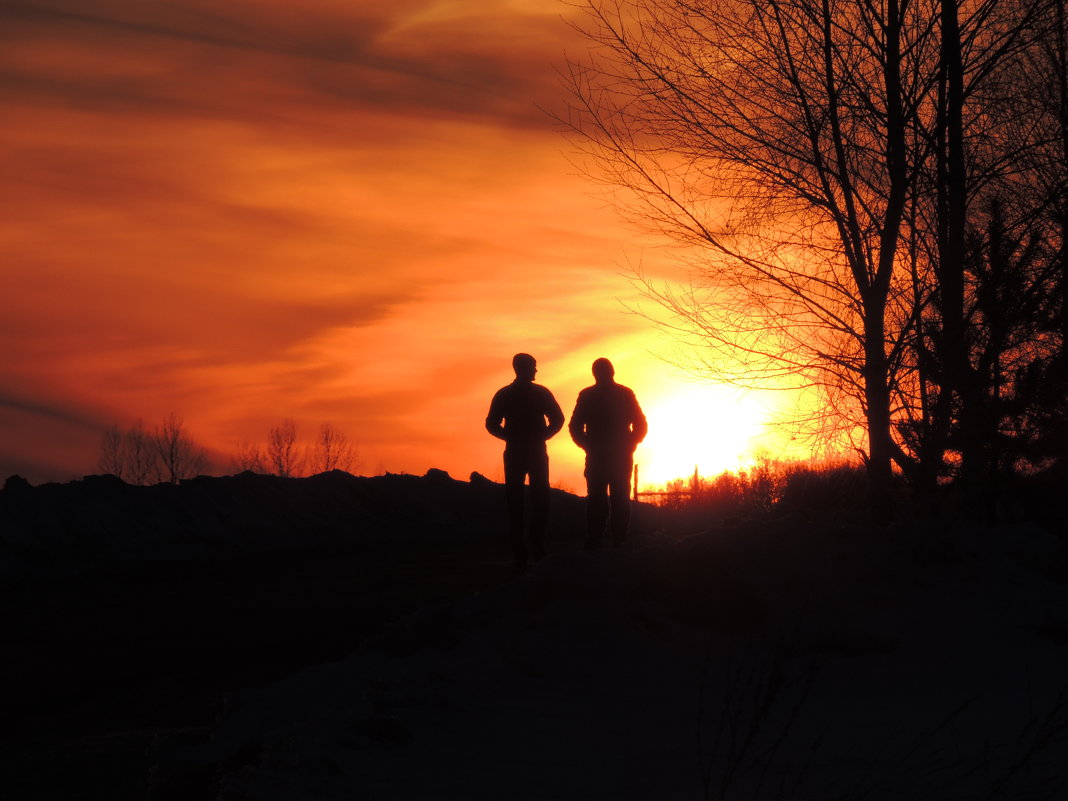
247, 59
251, 209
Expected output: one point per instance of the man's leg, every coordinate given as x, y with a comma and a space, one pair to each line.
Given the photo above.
514, 475
620, 489
596, 506
539, 502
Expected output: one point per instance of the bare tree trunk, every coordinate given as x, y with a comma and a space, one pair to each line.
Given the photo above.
1061, 57
874, 292
880, 443
952, 213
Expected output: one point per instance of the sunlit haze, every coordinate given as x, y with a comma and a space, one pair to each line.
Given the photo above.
352, 212
709, 429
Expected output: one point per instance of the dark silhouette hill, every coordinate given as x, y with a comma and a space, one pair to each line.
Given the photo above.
131, 614
101, 522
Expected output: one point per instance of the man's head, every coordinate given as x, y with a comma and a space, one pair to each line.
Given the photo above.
525, 366
603, 371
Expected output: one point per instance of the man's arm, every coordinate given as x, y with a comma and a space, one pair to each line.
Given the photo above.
495, 418
554, 414
577, 427
639, 425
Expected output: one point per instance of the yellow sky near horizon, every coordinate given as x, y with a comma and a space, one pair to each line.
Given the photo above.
346, 212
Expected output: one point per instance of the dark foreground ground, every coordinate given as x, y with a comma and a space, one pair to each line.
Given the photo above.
101, 671
129, 615
204, 642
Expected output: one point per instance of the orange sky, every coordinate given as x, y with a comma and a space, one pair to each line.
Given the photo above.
335, 210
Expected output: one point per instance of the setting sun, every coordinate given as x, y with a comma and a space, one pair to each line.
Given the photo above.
710, 428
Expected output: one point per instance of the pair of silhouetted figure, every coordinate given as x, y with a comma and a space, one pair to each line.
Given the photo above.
607, 424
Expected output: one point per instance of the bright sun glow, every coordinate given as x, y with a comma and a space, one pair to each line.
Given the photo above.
710, 428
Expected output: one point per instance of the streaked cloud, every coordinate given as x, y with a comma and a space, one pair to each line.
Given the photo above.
254, 209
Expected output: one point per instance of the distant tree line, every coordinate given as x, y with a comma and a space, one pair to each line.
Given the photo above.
164, 454
284, 455
168, 454
878, 194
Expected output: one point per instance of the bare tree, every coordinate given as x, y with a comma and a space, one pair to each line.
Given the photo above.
788, 142
1023, 263
112, 459
131, 454
283, 454
142, 455
249, 456
982, 138
773, 135
332, 450
180, 458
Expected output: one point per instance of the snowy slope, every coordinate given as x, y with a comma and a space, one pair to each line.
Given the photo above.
759, 662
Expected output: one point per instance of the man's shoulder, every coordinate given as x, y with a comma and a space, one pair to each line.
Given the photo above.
588, 392
504, 395
523, 389
607, 390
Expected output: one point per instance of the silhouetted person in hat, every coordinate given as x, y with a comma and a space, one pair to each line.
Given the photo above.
525, 415
608, 424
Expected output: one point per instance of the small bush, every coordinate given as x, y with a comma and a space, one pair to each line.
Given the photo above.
769, 485
825, 489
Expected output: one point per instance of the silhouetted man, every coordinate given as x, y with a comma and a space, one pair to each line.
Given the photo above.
525, 415
608, 424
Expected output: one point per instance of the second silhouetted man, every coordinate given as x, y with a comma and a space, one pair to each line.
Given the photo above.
608, 424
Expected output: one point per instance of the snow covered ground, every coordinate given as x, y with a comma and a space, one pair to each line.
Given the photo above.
759, 662
774, 659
